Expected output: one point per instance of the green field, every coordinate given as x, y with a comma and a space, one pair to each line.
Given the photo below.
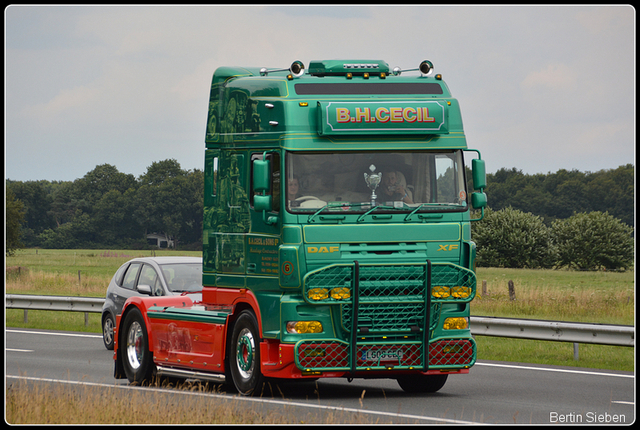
561, 295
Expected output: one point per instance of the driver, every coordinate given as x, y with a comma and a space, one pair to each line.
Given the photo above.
293, 187
392, 189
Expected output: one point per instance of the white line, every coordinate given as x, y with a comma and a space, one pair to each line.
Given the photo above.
51, 333
249, 399
547, 369
622, 402
19, 350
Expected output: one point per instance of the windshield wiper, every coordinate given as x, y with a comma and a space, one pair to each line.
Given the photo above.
428, 204
361, 217
334, 205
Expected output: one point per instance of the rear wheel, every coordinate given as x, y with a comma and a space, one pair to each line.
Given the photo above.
422, 383
108, 325
244, 355
136, 357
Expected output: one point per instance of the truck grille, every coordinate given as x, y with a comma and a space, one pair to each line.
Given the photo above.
391, 311
392, 298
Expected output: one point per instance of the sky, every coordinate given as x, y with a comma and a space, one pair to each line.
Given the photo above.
541, 88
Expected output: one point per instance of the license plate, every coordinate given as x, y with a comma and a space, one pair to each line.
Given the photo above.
381, 355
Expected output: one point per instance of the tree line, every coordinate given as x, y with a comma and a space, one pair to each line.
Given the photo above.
110, 209
562, 194
583, 221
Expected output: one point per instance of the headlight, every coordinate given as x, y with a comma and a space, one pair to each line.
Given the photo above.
318, 293
460, 292
340, 293
440, 292
303, 327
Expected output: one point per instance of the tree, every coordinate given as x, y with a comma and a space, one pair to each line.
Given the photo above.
14, 216
511, 238
593, 241
160, 171
36, 198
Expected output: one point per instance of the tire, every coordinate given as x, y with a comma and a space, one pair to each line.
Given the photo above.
422, 383
244, 355
134, 349
108, 325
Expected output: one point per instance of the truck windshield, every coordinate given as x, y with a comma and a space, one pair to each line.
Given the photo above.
358, 181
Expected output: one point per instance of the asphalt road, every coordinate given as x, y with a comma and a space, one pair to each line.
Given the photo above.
492, 392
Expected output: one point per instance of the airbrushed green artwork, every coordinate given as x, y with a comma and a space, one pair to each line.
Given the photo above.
337, 239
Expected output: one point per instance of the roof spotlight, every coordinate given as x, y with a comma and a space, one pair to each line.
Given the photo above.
426, 67
297, 68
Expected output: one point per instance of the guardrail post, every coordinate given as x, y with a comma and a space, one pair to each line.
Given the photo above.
575, 350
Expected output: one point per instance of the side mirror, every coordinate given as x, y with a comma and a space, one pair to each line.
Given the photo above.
479, 200
144, 289
479, 174
262, 203
261, 177
262, 199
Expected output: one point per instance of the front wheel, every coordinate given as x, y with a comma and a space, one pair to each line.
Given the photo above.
422, 383
244, 354
136, 357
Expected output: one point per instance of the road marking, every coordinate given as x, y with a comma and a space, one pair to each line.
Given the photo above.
51, 333
19, 350
547, 369
622, 402
248, 399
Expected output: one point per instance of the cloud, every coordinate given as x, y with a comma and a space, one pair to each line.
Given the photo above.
74, 99
553, 78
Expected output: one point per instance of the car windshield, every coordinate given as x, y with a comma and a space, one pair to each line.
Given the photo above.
360, 181
183, 277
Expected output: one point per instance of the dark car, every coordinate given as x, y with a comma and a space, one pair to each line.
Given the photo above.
151, 276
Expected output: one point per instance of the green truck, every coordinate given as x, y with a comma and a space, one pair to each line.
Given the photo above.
337, 234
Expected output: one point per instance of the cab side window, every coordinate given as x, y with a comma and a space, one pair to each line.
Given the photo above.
130, 277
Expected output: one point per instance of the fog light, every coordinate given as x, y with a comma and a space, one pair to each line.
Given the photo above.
318, 293
303, 327
461, 292
455, 324
440, 292
340, 293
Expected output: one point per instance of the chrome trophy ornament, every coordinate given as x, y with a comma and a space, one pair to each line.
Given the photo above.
373, 180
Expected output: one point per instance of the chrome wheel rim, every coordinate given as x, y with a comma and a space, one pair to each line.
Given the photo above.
107, 330
245, 354
134, 348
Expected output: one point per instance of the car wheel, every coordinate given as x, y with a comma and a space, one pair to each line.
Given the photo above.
108, 325
244, 355
136, 357
422, 383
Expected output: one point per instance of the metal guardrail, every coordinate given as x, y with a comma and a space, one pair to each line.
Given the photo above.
560, 331
54, 303
601, 334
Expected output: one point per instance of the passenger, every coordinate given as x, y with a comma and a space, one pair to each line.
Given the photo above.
392, 189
